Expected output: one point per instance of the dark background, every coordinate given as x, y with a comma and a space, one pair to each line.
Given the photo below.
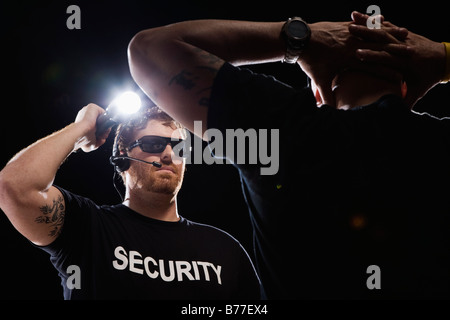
50, 72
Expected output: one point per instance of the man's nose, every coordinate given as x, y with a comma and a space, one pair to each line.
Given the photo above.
166, 155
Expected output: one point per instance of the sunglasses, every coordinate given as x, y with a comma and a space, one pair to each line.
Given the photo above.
157, 144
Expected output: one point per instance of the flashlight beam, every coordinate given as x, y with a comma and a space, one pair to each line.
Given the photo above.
119, 110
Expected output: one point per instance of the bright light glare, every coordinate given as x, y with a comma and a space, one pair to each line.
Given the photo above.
128, 102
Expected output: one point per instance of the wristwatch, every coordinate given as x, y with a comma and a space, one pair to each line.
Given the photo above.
296, 34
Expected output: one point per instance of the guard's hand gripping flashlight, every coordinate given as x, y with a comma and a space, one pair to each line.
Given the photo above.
119, 110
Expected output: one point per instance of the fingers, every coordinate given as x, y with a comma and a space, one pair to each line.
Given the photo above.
382, 58
92, 142
361, 18
391, 49
383, 46
89, 115
398, 32
101, 139
325, 90
387, 33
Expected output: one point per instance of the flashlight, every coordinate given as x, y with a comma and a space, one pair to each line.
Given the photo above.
119, 110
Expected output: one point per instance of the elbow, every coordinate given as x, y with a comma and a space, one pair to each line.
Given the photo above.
4, 183
149, 53
136, 43
6, 190
139, 53
140, 45
148, 41
153, 45
11, 190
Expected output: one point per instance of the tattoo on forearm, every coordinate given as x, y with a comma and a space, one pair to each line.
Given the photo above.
53, 215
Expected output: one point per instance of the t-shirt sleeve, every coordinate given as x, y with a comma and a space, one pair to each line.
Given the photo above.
243, 99
76, 224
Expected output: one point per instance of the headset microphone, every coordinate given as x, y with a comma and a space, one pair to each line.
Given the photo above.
114, 160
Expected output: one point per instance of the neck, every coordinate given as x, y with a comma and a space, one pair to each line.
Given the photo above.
354, 89
153, 205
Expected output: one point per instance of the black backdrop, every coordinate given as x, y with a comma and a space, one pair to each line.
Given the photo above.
49, 72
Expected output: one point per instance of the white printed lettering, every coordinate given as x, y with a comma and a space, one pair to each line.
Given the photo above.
134, 261
120, 254
151, 274
183, 267
166, 270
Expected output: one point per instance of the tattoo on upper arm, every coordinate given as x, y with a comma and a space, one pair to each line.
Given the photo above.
189, 79
208, 58
53, 215
185, 79
204, 101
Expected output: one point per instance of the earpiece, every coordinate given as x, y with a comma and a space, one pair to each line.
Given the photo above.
120, 164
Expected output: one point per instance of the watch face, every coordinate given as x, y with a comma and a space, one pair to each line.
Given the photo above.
297, 29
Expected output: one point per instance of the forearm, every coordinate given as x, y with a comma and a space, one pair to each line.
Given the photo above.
176, 65
34, 168
237, 42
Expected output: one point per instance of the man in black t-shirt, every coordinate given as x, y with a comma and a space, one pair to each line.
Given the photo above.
359, 206
139, 249
355, 188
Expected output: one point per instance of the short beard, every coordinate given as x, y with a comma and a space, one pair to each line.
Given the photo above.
144, 177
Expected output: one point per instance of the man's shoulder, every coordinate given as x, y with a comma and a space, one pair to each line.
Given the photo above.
209, 231
82, 206
71, 197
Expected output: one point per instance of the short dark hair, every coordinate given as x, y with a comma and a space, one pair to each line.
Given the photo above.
125, 131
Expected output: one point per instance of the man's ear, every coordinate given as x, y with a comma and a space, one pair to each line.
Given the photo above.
318, 97
316, 93
312, 85
315, 89
404, 89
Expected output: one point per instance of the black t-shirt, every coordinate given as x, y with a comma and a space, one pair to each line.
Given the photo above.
113, 252
357, 189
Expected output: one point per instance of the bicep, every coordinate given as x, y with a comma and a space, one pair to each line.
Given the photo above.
38, 216
177, 76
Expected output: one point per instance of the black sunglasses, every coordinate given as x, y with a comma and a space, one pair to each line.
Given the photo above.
157, 144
